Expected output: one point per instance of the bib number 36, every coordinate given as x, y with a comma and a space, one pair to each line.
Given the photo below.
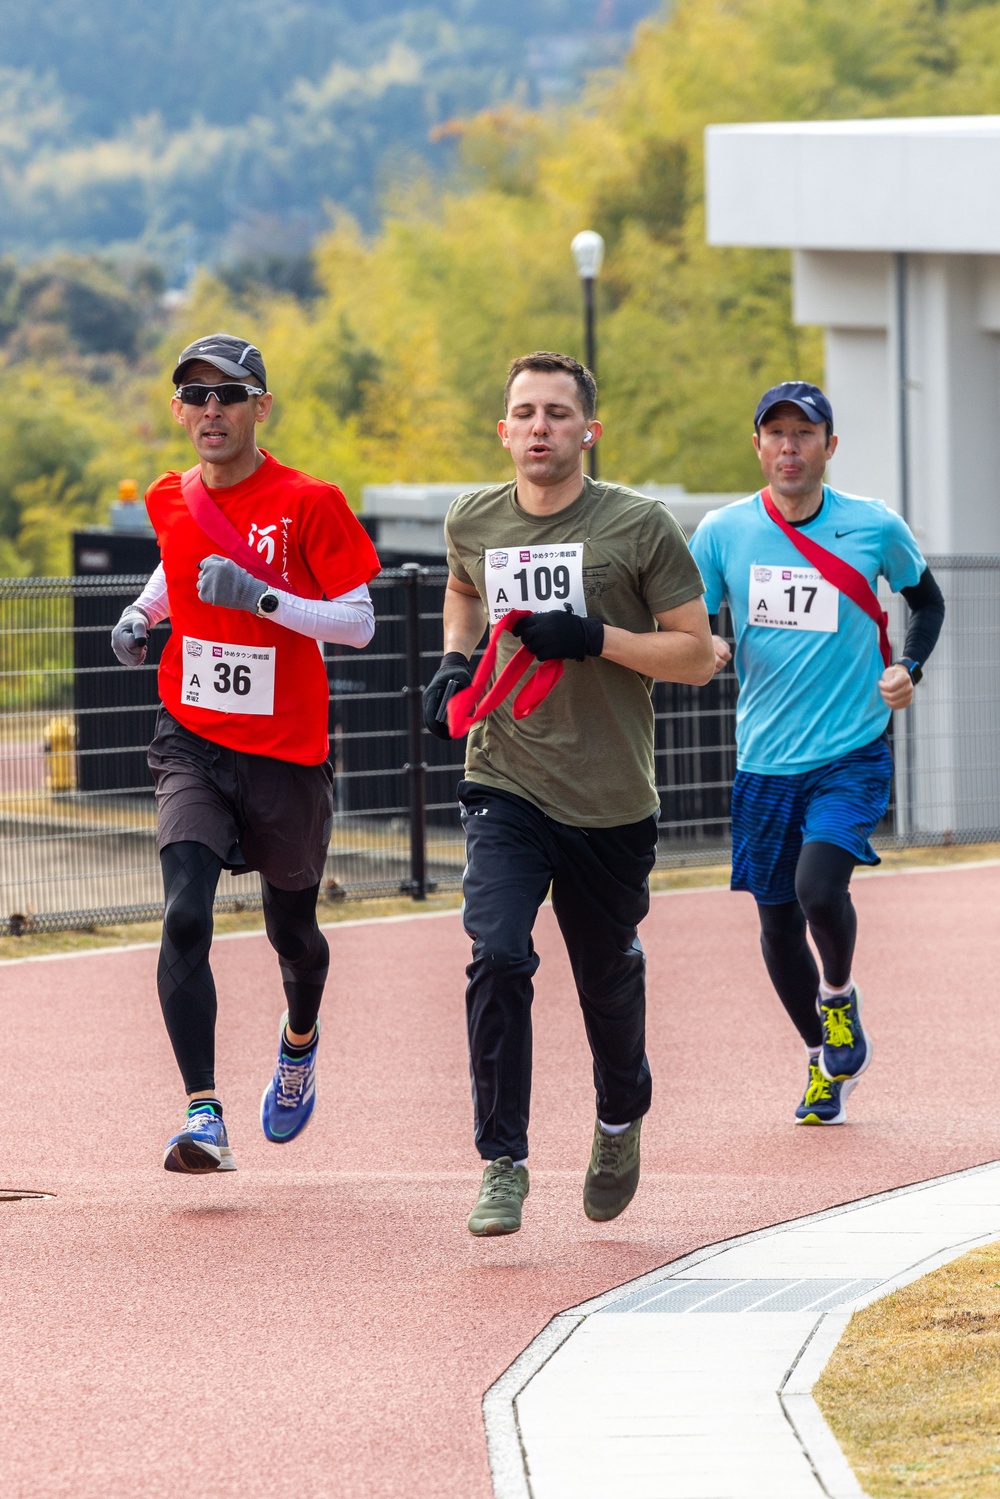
225, 678
232, 678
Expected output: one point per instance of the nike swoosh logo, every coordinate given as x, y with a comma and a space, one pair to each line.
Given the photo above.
839, 534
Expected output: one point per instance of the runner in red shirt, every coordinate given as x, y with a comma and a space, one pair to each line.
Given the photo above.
274, 564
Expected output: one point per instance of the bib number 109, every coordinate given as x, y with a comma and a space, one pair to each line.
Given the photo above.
541, 585
535, 578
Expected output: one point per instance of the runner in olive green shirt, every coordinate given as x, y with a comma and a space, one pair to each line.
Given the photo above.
634, 565
566, 797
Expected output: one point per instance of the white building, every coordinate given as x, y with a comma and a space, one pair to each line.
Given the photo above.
894, 227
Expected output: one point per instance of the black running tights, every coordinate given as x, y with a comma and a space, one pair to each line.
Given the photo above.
184, 979
822, 878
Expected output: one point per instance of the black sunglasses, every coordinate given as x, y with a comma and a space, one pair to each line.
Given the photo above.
227, 394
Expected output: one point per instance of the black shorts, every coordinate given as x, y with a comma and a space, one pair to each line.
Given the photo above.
255, 812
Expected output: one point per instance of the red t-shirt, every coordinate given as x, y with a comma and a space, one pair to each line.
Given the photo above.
218, 660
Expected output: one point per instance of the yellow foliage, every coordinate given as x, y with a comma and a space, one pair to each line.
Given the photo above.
396, 371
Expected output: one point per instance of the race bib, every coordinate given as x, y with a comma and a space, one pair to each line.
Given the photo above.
792, 598
535, 578
228, 678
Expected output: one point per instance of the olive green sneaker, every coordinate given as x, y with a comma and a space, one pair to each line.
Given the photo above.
504, 1188
613, 1173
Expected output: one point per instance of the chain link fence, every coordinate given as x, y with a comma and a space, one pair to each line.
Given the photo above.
77, 820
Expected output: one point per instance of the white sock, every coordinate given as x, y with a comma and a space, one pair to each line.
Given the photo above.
827, 991
522, 1163
812, 1052
615, 1129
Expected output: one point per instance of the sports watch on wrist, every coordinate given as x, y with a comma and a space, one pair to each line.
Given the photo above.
913, 667
268, 602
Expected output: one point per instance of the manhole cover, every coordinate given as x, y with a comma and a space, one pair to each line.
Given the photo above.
15, 1194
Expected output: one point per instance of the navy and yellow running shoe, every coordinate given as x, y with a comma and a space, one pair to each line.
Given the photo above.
823, 1100
846, 1049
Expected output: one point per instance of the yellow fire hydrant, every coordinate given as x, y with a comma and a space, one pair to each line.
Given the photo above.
59, 746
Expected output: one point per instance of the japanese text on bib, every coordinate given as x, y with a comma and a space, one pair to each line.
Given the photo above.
535, 578
228, 678
792, 598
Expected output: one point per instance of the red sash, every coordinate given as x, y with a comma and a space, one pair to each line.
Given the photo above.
838, 572
469, 706
206, 514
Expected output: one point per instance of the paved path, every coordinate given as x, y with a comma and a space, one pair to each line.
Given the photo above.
706, 1369
320, 1320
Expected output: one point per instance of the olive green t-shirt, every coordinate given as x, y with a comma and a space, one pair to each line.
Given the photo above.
585, 756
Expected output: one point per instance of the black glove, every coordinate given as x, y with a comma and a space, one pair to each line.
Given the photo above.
452, 675
556, 635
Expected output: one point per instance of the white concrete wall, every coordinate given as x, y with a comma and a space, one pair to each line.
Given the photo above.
953, 385
918, 184
954, 407
858, 383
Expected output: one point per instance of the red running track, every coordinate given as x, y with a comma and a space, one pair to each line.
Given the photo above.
320, 1322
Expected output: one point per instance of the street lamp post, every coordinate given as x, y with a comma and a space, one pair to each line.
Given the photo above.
588, 253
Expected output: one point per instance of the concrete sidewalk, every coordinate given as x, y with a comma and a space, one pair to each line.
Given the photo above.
705, 1369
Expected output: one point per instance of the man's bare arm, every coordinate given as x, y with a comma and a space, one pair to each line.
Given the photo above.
464, 618
681, 650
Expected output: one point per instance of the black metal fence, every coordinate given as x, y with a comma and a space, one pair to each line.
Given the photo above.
77, 822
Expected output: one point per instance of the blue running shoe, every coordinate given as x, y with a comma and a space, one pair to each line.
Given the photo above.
201, 1147
823, 1100
846, 1049
290, 1097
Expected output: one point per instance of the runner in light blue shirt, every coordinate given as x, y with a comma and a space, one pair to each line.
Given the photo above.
813, 762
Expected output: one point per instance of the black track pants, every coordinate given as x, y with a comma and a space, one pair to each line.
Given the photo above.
184, 979
599, 894
822, 877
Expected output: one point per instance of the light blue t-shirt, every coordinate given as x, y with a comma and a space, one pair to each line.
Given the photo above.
807, 658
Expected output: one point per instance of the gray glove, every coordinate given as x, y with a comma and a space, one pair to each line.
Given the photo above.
223, 582
130, 637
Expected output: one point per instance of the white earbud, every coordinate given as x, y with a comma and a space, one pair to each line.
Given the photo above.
587, 436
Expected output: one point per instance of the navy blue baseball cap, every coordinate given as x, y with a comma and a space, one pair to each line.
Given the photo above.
808, 398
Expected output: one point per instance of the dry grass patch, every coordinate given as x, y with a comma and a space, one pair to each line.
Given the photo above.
913, 1391
667, 877
938, 854
43, 944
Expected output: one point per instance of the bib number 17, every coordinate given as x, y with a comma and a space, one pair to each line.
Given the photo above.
792, 598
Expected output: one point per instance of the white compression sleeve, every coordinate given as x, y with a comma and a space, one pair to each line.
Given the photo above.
153, 599
347, 620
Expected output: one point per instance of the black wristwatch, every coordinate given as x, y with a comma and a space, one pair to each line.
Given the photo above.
268, 602
913, 667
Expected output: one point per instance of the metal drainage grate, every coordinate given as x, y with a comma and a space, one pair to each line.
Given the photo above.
15, 1194
682, 1296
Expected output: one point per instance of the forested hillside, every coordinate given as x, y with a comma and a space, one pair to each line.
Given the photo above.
195, 129
396, 370
387, 349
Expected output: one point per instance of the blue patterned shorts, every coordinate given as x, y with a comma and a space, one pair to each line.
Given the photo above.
840, 803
